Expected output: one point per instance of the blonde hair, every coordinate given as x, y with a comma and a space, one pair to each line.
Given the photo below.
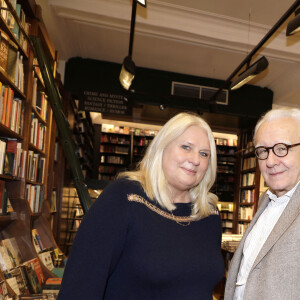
278, 113
151, 176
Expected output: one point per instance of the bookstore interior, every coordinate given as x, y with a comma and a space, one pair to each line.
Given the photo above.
53, 128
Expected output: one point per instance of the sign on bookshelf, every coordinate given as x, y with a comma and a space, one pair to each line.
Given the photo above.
107, 103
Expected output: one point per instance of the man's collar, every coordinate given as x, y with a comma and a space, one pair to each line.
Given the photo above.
288, 194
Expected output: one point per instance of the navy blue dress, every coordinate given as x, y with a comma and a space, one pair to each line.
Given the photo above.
128, 248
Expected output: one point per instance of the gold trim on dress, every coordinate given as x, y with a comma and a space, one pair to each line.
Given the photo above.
139, 199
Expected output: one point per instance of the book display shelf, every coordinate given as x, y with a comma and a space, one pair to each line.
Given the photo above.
226, 175
249, 183
121, 147
28, 251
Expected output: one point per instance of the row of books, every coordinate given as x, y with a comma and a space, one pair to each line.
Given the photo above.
23, 277
38, 133
13, 25
249, 163
107, 169
138, 151
225, 178
106, 177
225, 151
249, 147
227, 159
39, 100
227, 169
11, 109
142, 142
37, 70
247, 196
114, 139
242, 227
112, 159
12, 157
246, 213
230, 242
225, 142
126, 130
248, 179
51, 258
34, 196
11, 61
226, 215
227, 224
36, 167
114, 149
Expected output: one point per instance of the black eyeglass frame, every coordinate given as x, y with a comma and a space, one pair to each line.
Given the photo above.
269, 148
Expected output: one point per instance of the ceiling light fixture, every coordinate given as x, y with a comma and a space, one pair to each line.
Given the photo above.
250, 73
128, 68
127, 72
294, 25
258, 47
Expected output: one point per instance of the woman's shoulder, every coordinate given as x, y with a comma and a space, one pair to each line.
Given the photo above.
125, 185
118, 190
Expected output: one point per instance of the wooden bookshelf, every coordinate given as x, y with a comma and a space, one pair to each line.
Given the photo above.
247, 189
27, 127
225, 181
120, 148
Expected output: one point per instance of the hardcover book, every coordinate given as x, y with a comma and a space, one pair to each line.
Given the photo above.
12, 246
12, 60
33, 282
4, 44
36, 265
11, 152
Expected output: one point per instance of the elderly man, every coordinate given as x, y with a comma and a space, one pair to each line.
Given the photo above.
266, 265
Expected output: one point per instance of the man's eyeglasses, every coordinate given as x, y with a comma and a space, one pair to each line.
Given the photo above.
279, 150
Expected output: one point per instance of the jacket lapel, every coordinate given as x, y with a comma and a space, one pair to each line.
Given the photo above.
288, 216
237, 258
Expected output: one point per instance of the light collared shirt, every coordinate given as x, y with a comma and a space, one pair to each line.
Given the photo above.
258, 235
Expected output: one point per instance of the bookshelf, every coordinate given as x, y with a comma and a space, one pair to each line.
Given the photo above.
224, 186
71, 216
121, 147
83, 135
248, 188
26, 165
114, 154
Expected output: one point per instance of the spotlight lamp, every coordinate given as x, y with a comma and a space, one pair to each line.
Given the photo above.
250, 73
128, 68
294, 25
127, 72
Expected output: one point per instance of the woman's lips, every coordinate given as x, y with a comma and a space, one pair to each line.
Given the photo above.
189, 171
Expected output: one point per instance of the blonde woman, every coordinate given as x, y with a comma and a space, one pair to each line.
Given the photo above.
154, 233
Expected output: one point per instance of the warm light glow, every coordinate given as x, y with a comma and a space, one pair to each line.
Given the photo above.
142, 2
126, 78
253, 70
242, 82
294, 25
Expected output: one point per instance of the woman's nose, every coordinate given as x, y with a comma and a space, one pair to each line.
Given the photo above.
194, 158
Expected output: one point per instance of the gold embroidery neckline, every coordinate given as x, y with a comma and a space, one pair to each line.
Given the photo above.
184, 221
